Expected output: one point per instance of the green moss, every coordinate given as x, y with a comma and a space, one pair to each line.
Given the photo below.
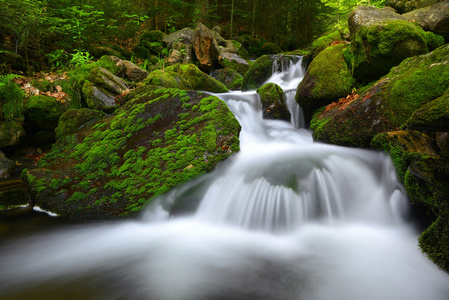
434, 40
149, 146
43, 112
72, 119
273, 102
323, 42
257, 74
379, 47
109, 64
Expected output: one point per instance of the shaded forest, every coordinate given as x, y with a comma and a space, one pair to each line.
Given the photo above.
37, 30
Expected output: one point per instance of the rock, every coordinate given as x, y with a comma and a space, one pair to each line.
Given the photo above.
185, 36
233, 61
257, 46
11, 133
262, 69
229, 48
114, 167
42, 113
101, 88
14, 60
433, 18
404, 147
72, 119
6, 166
229, 77
380, 40
403, 6
442, 139
206, 48
432, 116
273, 102
186, 77
242, 52
174, 58
111, 63
320, 44
152, 36
220, 41
387, 104
132, 72
327, 79
13, 192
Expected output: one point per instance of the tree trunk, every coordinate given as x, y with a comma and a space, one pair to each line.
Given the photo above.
253, 25
232, 19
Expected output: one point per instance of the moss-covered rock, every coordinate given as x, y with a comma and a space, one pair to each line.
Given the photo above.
6, 166
233, 61
388, 103
322, 43
229, 77
431, 117
187, 77
113, 167
380, 40
327, 79
110, 63
11, 133
404, 147
152, 36
273, 102
43, 112
261, 70
257, 46
72, 119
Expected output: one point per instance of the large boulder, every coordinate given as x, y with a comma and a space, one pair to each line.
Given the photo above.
233, 61
327, 79
113, 167
273, 102
433, 18
186, 77
387, 104
206, 48
131, 71
380, 40
322, 43
403, 6
262, 69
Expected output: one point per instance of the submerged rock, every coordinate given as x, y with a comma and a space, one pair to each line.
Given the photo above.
113, 167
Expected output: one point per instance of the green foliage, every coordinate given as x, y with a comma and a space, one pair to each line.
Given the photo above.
11, 98
80, 58
58, 58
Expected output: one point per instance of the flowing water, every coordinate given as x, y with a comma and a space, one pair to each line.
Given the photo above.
285, 218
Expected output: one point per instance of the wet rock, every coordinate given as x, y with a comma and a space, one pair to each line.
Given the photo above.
233, 61
273, 102
229, 77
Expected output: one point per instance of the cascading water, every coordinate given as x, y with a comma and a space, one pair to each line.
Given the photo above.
285, 218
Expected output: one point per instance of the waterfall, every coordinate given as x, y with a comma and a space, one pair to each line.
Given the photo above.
285, 218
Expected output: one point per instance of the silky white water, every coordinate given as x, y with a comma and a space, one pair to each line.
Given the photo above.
285, 218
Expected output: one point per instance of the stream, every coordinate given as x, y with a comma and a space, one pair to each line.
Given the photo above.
285, 218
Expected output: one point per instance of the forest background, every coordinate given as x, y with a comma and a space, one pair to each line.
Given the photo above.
39, 30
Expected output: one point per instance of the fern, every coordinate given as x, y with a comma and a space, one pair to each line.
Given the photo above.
11, 98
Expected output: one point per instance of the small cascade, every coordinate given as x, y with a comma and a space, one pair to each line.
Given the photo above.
284, 218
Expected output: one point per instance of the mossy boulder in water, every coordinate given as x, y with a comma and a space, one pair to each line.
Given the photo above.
327, 79
387, 104
380, 40
159, 139
273, 102
261, 70
320, 44
186, 77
